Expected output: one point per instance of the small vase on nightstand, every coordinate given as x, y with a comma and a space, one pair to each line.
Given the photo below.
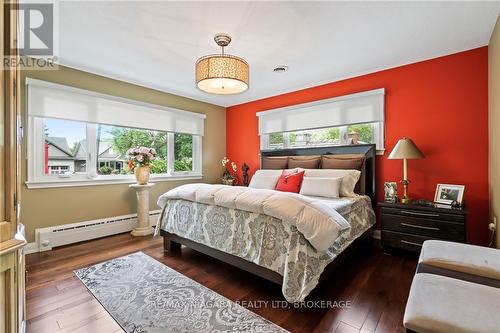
142, 174
229, 181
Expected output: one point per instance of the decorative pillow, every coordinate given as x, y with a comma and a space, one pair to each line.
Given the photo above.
263, 181
349, 178
342, 161
321, 186
305, 162
275, 163
290, 181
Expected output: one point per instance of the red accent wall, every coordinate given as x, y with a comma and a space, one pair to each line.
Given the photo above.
442, 104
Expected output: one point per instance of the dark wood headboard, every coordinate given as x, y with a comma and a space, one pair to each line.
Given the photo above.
368, 150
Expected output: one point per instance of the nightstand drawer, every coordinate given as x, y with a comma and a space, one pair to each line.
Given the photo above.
403, 241
424, 214
430, 227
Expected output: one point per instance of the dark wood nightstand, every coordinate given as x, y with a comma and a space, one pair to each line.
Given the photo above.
406, 227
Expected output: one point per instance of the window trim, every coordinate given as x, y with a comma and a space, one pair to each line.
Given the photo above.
106, 180
38, 179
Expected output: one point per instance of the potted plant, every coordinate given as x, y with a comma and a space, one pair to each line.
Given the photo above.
229, 175
139, 160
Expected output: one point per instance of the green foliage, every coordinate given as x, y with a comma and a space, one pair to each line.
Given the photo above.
126, 138
73, 148
159, 166
364, 131
105, 170
318, 135
125, 171
183, 165
333, 133
183, 148
325, 135
275, 138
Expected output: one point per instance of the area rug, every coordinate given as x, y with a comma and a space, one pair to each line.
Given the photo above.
145, 296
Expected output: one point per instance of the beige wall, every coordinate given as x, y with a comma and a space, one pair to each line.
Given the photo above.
494, 125
48, 207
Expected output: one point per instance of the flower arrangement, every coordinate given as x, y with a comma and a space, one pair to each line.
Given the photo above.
229, 175
140, 157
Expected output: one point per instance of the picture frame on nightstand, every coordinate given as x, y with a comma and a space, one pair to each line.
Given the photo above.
448, 194
390, 192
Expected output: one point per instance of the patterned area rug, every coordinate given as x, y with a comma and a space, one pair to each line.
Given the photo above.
145, 296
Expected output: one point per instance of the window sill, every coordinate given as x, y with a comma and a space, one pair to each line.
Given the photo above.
107, 180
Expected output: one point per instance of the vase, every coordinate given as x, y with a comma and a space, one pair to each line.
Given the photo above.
142, 174
229, 181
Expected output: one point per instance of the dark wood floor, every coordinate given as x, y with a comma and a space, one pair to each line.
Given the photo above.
376, 284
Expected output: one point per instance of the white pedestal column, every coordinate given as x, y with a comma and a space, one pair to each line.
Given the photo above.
143, 228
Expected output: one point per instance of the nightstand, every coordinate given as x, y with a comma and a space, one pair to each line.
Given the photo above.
406, 227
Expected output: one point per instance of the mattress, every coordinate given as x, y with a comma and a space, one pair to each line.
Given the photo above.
268, 241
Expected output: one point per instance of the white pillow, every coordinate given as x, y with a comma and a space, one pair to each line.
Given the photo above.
349, 178
268, 172
321, 186
266, 181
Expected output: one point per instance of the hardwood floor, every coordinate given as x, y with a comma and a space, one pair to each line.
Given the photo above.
375, 284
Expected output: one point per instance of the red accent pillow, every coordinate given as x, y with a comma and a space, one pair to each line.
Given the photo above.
290, 181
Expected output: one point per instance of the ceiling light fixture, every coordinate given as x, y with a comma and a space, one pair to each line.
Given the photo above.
222, 74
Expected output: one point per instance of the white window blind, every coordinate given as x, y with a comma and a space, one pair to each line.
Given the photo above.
364, 107
51, 100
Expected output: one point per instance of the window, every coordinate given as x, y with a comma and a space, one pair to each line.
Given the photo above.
62, 146
331, 136
69, 152
346, 120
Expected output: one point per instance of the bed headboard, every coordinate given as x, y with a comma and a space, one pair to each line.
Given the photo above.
368, 169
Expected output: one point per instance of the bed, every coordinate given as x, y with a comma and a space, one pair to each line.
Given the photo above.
265, 240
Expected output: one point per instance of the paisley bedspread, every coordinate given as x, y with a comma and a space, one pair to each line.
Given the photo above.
267, 241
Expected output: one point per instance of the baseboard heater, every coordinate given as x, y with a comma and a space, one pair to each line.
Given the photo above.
48, 238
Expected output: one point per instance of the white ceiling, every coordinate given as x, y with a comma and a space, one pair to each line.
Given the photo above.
156, 44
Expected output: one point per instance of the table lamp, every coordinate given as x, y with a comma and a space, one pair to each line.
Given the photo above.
405, 149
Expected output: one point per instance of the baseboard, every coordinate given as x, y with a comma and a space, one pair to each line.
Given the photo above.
376, 234
48, 238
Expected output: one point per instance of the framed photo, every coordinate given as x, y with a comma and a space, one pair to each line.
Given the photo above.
446, 193
390, 192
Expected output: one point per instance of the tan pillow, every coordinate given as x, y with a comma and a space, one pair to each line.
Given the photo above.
275, 163
305, 162
343, 161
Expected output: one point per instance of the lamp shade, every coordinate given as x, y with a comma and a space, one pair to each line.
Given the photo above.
405, 149
222, 74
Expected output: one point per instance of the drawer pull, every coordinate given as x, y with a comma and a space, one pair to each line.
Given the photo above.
419, 226
418, 213
411, 243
